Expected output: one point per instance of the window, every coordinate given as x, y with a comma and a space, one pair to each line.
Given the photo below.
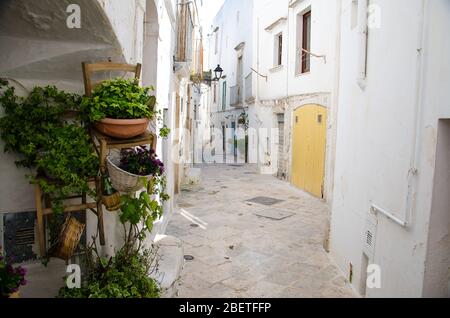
224, 96
279, 49
215, 92
216, 41
306, 43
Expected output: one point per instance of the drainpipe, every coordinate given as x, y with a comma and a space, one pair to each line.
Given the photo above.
417, 131
362, 39
287, 53
337, 85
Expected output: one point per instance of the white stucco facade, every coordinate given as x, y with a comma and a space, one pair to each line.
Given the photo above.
389, 124
282, 88
38, 49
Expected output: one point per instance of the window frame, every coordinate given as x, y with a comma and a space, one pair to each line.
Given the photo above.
278, 58
224, 95
305, 62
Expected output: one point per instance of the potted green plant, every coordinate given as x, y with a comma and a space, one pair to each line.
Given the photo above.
129, 168
11, 279
120, 108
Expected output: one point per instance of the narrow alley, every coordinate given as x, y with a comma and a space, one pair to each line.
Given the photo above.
251, 235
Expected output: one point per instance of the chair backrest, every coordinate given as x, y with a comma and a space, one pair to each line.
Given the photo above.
90, 68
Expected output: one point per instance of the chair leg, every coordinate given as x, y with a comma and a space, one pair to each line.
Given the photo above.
101, 228
40, 220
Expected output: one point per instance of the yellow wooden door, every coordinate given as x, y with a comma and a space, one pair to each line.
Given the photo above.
308, 148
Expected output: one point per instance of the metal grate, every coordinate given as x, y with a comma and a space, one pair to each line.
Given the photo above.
19, 236
370, 235
265, 201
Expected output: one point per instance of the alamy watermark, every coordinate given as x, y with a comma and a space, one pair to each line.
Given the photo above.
73, 20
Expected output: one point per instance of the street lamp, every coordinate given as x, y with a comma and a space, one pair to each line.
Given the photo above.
218, 72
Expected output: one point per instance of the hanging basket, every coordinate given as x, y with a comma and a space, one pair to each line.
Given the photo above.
68, 239
121, 180
111, 202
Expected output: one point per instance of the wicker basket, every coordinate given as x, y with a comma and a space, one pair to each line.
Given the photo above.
68, 239
121, 180
111, 202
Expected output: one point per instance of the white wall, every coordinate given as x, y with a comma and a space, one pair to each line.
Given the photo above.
385, 132
38, 49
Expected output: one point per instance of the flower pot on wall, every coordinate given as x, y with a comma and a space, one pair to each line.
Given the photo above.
122, 180
122, 128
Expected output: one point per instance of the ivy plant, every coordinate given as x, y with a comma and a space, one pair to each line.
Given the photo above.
37, 129
119, 99
28, 121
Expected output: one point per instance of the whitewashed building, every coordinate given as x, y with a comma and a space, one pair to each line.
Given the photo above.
295, 58
279, 60
38, 48
391, 200
230, 43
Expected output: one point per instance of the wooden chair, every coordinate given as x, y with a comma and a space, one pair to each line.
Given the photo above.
91, 68
104, 143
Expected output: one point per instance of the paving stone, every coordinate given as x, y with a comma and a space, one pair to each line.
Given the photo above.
264, 289
274, 214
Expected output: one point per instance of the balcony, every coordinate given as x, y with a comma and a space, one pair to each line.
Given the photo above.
249, 96
185, 33
236, 96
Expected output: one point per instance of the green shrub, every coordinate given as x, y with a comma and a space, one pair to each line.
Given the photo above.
120, 277
119, 99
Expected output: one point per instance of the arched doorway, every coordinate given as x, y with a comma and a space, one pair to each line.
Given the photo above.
150, 54
309, 148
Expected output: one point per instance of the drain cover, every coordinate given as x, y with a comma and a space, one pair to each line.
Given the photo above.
274, 214
265, 201
188, 257
194, 225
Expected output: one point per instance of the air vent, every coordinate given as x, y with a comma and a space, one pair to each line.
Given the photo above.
370, 235
19, 236
25, 236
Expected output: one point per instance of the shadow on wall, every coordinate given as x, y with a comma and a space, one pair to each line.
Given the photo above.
37, 44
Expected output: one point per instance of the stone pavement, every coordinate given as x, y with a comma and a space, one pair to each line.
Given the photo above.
246, 249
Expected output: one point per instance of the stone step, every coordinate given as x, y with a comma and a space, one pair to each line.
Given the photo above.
170, 264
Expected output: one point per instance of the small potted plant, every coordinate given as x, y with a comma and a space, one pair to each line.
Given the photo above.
11, 279
120, 108
130, 166
111, 197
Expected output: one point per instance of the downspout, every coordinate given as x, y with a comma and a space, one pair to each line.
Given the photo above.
337, 86
362, 39
288, 62
413, 172
287, 139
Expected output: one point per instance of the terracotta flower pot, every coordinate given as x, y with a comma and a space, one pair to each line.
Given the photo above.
122, 128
